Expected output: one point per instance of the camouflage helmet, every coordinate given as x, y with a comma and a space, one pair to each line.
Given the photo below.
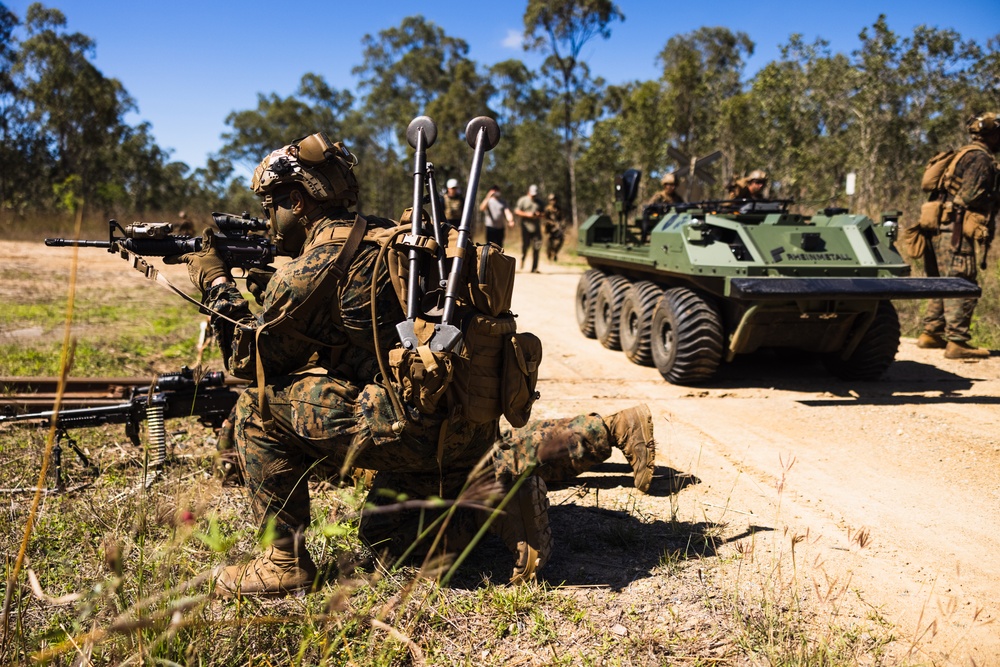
757, 175
984, 124
668, 179
323, 169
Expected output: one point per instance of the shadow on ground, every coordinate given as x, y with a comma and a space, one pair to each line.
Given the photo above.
603, 544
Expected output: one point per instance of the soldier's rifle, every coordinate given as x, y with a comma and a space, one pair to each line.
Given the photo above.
208, 397
242, 241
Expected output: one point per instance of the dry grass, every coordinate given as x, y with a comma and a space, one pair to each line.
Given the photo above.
118, 570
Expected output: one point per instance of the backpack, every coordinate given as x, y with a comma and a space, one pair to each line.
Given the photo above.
493, 370
941, 184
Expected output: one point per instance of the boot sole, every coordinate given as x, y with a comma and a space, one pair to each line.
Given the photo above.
532, 508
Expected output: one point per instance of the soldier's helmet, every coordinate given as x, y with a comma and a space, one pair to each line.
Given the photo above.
668, 179
757, 175
324, 169
983, 125
552, 196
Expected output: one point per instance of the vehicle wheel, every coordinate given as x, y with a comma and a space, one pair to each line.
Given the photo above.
685, 337
637, 315
876, 351
608, 310
586, 295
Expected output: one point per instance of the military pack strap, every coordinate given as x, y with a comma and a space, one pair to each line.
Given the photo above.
329, 273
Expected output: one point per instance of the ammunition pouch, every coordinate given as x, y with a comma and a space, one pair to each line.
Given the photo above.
931, 214
521, 358
976, 226
914, 241
422, 375
493, 286
478, 386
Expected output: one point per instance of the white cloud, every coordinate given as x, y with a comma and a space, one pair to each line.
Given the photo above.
513, 40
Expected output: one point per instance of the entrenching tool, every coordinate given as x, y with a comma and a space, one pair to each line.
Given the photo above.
483, 134
420, 134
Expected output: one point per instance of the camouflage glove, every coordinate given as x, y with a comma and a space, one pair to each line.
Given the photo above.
205, 265
257, 281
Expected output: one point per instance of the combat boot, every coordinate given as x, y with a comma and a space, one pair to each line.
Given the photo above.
284, 568
632, 432
931, 341
524, 528
962, 350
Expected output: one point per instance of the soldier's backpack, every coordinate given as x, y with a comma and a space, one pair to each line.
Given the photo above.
493, 371
941, 184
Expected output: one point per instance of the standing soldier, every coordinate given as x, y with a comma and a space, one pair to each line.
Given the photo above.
971, 197
453, 203
555, 226
529, 211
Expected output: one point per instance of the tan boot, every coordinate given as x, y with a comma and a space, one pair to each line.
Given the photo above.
962, 350
524, 528
931, 341
283, 569
632, 432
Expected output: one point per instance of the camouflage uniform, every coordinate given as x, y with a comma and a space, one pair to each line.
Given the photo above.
341, 418
531, 230
978, 194
663, 197
555, 224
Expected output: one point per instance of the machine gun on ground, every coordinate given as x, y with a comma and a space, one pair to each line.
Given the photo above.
209, 397
242, 241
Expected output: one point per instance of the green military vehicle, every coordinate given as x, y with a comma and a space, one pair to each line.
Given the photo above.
685, 287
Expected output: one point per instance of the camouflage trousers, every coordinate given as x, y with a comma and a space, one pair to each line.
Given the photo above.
325, 423
950, 318
531, 238
552, 247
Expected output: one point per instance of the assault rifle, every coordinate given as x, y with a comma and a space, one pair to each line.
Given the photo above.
242, 241
171, 396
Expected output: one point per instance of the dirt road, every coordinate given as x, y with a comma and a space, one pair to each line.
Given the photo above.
783, 449
886, 494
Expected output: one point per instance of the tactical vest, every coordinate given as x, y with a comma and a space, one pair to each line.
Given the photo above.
941, 184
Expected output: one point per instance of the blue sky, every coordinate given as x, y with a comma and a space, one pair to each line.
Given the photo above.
188, 64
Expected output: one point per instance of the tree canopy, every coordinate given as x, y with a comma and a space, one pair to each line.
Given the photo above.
808, 117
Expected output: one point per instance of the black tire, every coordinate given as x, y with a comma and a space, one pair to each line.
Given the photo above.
685, 337
876, 351
608, 310
636, 316
586, 295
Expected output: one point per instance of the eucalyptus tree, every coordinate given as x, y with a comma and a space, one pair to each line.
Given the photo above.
560, 29
408, 70
701, 71
78, 110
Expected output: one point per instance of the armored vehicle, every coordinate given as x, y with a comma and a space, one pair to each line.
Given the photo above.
686, 287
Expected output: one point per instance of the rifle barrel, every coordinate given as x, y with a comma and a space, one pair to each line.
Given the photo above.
83, 243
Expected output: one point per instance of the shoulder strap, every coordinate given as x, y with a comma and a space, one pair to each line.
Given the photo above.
329, 274
948, 180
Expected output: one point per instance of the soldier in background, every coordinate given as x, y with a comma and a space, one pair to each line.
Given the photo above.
667, 193
751, 187
974, 195
453, 202
529, 212
496, 216
555, 226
